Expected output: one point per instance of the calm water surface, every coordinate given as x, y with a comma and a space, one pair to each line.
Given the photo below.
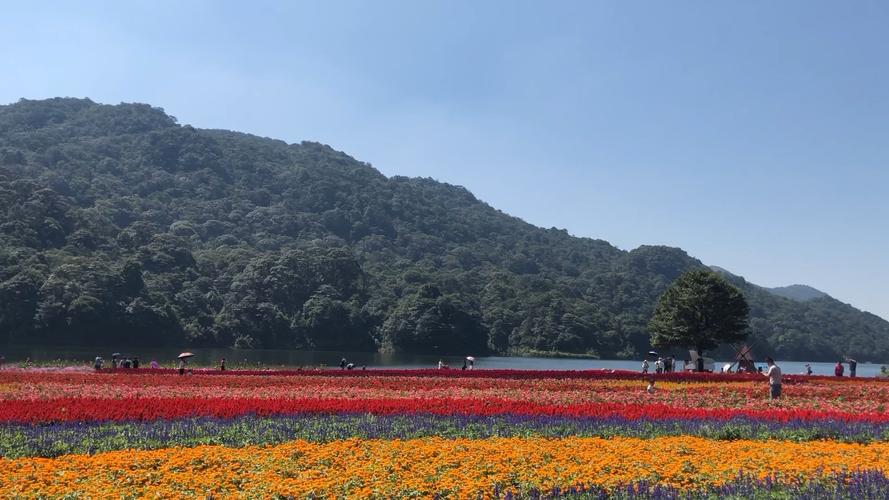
237, 358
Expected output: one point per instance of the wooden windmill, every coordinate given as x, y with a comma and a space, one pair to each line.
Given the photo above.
744, 359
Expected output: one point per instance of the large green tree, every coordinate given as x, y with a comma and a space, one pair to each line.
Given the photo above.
700, 310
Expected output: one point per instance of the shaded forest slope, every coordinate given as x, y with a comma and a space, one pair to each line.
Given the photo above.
120, 226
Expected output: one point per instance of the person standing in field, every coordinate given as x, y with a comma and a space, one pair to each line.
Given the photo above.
774, 375
838, 369
644, 366
852, 366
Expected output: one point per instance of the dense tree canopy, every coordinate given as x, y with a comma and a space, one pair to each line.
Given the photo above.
700, 310
117, 225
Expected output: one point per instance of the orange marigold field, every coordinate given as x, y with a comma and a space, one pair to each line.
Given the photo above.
455, 467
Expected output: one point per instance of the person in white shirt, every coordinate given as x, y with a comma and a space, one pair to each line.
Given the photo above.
774, 374
644, 366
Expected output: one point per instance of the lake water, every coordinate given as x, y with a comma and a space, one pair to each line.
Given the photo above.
264, 358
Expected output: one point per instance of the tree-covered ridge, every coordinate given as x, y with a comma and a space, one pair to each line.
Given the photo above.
120, 226
801, 293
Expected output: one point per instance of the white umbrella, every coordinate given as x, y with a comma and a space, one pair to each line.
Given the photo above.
185, 355
470, 358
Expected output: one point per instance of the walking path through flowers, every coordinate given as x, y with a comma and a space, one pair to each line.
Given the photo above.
452, 433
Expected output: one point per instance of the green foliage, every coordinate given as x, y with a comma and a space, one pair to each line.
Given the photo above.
699, 310
120, 227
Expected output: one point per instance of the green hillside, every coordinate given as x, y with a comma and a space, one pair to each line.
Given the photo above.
120, 225
801, 293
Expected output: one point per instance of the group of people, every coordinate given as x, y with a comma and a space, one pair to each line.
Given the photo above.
468, 363
125, 362
345, 365
662, 365
773, 373
183, 364
839, 370
128, 363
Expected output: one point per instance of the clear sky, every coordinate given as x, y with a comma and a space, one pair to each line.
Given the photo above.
753, 134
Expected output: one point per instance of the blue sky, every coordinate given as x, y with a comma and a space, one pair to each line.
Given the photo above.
754, 135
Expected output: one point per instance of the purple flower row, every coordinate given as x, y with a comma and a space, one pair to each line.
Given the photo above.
17, 440
858, 485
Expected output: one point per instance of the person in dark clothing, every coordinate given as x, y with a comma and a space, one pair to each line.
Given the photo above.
222, 364
852, 366
464, 365
135, 363
343, 364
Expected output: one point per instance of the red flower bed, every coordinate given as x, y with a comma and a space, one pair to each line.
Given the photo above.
93, 409
848, 396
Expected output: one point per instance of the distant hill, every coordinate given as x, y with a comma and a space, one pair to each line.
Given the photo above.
799, 293
120, 227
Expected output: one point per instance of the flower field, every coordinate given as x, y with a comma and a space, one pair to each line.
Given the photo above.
426, 433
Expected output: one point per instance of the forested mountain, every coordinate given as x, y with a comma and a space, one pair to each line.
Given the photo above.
120, 226
801, 293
